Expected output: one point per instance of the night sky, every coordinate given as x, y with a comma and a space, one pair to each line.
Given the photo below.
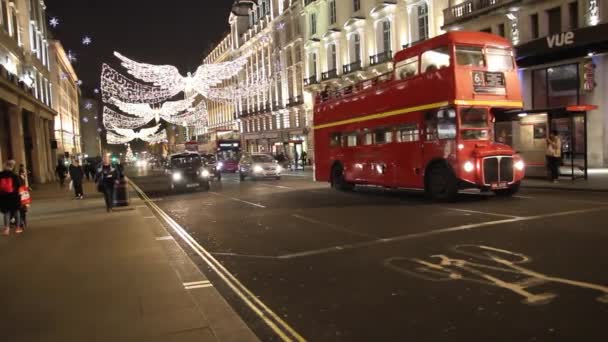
175, 32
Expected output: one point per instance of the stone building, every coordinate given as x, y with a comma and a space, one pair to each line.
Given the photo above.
26, 113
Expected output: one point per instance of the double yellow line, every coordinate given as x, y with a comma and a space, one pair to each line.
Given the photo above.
272, 320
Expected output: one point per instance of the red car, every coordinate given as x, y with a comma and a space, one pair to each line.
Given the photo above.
228, 165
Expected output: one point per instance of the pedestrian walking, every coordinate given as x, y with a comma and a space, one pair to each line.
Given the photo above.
87, 167
24, 194
106, 178
10, 202
554, 155
77, 175
61, 172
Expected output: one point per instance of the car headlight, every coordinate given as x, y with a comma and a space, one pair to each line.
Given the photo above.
177, 176
279, 168
220, 165
519, 165
258, 169
205, 173
468, 166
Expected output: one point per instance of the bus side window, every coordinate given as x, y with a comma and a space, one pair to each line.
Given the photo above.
435, 59
349, 139
383, 136
368, 137
335, 140
430, 123
407, 68
408, 133
441, 124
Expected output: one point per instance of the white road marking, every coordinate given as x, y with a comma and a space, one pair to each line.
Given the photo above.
197, 285
435, 232
275, 186
482, 212
236, 255
165, 238
279, 326
150, 217
333, 226
238, 200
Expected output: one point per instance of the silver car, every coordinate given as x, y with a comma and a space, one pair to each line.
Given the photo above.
256, 166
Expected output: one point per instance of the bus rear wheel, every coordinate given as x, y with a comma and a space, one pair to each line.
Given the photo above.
337, 179
508, 192
441, 184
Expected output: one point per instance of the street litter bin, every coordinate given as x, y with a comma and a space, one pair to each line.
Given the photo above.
121, 193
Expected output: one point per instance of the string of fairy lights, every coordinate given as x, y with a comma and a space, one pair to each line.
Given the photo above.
148, 96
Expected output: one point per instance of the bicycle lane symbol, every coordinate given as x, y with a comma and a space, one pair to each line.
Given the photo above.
489, 266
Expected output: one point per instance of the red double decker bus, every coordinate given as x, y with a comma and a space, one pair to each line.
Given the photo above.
426, 125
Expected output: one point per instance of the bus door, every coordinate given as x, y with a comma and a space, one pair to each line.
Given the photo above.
440, 135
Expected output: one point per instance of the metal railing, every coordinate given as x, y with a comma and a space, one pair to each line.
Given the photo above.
471, 8
311, 80
380, 58
328, 75
352, 67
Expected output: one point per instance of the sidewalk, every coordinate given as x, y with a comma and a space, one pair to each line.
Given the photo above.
81, 274
597, 181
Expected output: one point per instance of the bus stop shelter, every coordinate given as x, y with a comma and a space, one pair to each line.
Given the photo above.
526, 130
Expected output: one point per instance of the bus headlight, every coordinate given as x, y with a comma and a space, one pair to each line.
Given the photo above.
519, 165
177, 176
258, 169
205, 174
220, 165
468, 166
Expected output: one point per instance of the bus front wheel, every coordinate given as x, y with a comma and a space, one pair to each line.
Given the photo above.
337, 179
441, 183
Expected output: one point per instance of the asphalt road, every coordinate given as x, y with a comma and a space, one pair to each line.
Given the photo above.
377, 265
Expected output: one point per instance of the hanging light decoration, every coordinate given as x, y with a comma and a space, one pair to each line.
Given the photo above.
142, 134
156, 138
114, 85
168, 78
115, 139
113, 120
144, 110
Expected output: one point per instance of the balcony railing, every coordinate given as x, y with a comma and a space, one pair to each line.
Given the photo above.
311, 80
380, 58
294, 101
328, 75
471, 8
352, 67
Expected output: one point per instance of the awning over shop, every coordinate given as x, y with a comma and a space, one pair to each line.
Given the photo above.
565, 45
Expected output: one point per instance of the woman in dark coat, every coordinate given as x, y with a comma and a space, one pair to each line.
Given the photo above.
10, 201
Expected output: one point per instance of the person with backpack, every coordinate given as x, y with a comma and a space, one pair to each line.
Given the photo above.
10, 201
106, 178
77, 175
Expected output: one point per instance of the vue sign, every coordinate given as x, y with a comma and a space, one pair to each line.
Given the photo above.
560, 39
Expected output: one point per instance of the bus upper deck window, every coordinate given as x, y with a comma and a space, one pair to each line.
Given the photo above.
435, 59
407, 68
499, 59
469, 56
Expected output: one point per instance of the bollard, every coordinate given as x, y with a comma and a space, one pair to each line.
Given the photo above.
121, 193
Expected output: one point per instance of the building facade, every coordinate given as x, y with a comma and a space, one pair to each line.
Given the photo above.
271, 120
90, 127
347, 41
561, 48
66, 95
26, 114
